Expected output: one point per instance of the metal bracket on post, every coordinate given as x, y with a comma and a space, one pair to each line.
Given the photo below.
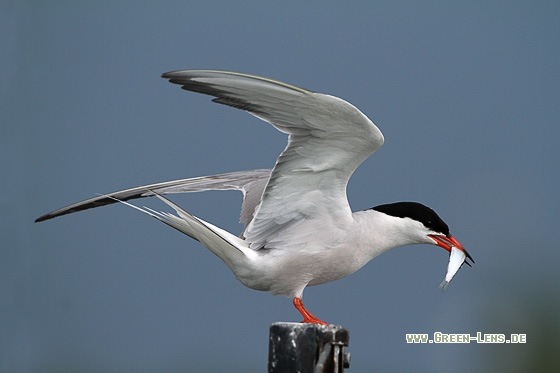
297, 347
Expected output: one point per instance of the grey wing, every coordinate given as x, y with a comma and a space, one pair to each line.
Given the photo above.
328, 139
251, 183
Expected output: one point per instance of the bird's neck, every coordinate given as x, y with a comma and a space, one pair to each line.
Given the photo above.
378, 233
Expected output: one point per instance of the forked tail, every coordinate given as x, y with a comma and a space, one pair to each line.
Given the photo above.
231, 249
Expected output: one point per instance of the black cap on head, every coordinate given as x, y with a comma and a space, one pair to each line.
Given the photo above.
416, 211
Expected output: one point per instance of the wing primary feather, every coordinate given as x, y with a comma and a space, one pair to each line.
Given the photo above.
249, 182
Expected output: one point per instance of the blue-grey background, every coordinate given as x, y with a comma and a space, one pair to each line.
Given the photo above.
467, 96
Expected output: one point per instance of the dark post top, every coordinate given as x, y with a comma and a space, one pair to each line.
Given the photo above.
298, 347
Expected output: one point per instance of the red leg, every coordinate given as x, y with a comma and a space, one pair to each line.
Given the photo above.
308, 317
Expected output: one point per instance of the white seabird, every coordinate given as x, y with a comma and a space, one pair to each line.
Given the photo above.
299, 228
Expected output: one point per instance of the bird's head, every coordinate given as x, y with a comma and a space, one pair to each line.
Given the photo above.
425, 226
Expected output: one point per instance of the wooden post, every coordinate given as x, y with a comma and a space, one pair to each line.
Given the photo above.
298, 347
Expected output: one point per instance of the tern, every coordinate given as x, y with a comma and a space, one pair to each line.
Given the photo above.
299, 229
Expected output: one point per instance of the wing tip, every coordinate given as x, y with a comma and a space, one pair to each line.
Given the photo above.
52, 215
42, 218
181, 76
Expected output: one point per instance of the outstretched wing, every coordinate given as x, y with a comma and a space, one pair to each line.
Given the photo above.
251, 183
328, 139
